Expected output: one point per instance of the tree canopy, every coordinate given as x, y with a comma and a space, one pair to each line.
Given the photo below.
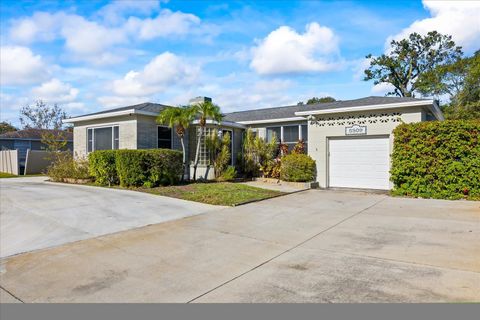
6, 127
465, 101
405, 62
315, 100
42, 116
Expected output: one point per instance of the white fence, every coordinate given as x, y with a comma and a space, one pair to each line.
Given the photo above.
9, 161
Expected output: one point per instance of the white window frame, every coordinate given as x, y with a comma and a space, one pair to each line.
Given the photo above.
171, 135
282, 140
101, 127
281, 133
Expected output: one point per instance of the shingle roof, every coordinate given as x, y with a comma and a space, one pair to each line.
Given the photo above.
146, 106
35, 134
289, 111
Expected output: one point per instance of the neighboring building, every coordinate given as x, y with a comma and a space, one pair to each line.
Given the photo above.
30, 139
350, 140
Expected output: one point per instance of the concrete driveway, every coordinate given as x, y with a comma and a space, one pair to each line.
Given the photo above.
35, 214
313, 246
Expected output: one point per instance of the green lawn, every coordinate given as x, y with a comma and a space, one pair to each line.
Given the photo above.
219, 193
7, 175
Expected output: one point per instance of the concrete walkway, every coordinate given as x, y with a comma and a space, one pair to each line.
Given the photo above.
35, 214
312, 246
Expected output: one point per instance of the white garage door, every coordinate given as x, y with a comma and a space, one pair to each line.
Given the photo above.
359, 163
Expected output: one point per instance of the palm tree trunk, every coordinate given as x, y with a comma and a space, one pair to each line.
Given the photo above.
184, 163
197, 154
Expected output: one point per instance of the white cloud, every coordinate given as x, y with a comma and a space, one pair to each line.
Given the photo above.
85, 40
98, 41
254, 95
55, 91
286, 51
167, 23
382, 88
20, 66
460, 19
115, 101
85, 37
113, 12
359, 66
161, 72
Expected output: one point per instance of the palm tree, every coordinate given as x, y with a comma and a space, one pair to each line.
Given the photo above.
204, 111
178, 118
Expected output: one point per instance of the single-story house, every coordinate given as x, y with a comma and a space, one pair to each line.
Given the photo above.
31, 139
351, 140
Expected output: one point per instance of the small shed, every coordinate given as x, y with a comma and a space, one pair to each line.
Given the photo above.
31, 139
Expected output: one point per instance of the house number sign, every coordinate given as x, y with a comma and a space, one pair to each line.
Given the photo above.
355, 130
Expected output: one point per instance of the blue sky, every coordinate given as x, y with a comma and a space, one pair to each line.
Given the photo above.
93, 55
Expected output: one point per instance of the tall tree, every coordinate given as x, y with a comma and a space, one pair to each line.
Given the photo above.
42, 116
204, 111
6, 127
408, 58
180, 119
465, 104
315, 100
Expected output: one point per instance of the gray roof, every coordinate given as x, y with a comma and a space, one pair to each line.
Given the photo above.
289, 111
146, 106
36, 134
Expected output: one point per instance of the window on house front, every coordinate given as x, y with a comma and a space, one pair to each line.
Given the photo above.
274, 132
104, 138
304, 132
116, 138
164, 138
290, 136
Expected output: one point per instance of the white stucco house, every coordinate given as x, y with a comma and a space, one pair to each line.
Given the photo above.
351, 140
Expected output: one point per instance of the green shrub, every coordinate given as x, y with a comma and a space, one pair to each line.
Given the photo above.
272, 169
102, 167
229, 174
148, 167
131, 167
298, 168
164, 167
437, 160
64, 166
256, 153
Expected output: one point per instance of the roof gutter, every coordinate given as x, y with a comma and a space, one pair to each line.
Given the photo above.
223, 123
370, 107
272, 120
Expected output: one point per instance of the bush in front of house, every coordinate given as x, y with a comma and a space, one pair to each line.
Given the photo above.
437, 159
164, 166
64, 168
102, 166
297, 168
133, 168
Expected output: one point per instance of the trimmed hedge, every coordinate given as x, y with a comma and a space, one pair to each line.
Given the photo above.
297, 168
437, 160
135, 168
102, 166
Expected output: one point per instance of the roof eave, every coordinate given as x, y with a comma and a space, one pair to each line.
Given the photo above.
109, 115
367, 108
248, 122
223, 123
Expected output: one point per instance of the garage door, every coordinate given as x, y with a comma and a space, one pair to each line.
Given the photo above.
359, 163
